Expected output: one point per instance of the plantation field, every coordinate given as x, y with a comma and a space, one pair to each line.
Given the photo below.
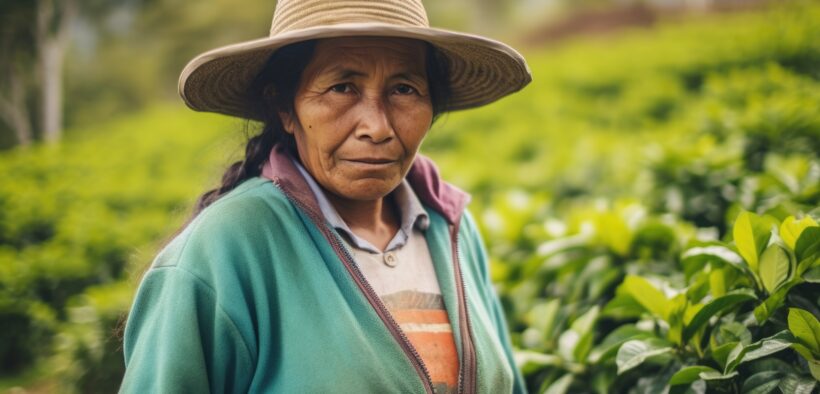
649, 202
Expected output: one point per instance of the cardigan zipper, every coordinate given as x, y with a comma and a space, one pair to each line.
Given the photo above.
369, 293
467, 367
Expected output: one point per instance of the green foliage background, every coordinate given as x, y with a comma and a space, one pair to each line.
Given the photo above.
597, 187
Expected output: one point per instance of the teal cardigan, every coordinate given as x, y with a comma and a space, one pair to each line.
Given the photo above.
258, 295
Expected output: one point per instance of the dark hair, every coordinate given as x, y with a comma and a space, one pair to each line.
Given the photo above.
274, 92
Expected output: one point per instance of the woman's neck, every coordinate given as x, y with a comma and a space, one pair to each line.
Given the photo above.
375, 221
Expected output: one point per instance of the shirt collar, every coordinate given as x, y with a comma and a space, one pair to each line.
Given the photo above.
412, 213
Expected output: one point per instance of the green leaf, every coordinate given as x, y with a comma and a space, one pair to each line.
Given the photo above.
751, 233
767, 346
734, 357
745, 239
717, 282
761, 382
791, 228
722, 352
560, 386
699, 285
793, 384
712, 376
732, 332
764, 347
807, 246
687, 375
647, 295
805, 327
567, 342
714, 307
613, 231
584, 326
542, 315
763, 311
623, 306
714, 252
635, 352
654, 383
774, 267
584, 346
531, 362
677, 317
575, 343
769, 364
586, 321
803, 351
609, 346
812, 275
814, 368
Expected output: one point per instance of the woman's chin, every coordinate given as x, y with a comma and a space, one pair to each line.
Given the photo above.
367, 189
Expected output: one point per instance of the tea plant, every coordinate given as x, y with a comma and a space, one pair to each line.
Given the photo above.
735, 320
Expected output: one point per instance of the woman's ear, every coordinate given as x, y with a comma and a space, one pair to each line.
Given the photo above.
288, 121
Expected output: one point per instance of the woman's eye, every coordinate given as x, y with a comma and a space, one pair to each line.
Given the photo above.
405, 89
341, 88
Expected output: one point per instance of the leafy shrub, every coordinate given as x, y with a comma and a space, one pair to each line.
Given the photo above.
88, 213
719, 323
28, 328
89, 354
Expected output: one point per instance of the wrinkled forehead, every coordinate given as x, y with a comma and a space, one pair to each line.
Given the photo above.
400, 55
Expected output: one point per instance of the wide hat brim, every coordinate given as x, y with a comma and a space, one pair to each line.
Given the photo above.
481, 70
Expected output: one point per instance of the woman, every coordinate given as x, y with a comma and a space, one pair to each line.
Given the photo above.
332, 258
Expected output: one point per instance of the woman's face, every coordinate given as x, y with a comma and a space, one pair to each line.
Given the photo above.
360, 113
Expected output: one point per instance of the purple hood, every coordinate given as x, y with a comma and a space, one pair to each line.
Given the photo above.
423, 177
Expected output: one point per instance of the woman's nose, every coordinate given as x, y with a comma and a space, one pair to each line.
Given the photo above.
374, 121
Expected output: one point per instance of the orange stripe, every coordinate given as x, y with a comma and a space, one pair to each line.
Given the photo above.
420, 316
438, 350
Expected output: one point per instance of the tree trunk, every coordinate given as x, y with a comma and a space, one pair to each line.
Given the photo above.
52, 36
51, 63
13, 110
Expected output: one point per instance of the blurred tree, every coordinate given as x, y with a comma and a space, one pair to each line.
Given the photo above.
52, 28
34, 40
129, 56
16, 44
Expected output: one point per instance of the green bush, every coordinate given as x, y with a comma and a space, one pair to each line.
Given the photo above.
88, 355
91, 212
28, 329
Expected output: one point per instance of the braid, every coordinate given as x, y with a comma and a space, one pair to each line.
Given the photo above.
256, 152
288, 63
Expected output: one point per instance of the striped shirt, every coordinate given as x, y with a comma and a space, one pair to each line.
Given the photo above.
403, 276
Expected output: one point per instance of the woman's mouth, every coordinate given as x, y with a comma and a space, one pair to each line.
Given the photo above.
372, 163
372, 160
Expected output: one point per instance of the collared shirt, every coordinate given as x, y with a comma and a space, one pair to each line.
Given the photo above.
413, 215
404, 278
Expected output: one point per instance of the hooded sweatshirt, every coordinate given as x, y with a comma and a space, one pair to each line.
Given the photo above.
259, 294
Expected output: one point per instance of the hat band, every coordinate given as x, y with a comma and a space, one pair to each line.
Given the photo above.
295, 15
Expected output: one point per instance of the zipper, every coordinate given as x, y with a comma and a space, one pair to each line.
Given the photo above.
369, 293
467, 367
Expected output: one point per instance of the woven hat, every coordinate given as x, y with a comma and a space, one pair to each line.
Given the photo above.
481, 70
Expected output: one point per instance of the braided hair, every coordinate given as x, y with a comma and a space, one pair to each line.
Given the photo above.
273, 92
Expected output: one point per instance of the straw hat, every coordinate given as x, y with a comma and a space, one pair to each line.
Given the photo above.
481, 70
